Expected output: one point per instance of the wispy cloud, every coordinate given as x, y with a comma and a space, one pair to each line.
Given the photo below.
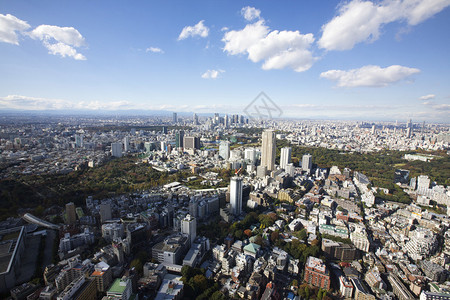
9, 26
212, 74
369, 76
198, 29
60, 40
154, 50
427, 97
250, 13
21, 102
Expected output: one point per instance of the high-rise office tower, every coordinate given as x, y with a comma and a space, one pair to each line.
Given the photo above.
268, 149
174, 118
116, 149
105, 212
236, 195
71, 213
250, 155
307, 163
179, 139
189, 226
78, 141
285, 157
126, 144
191, 142
196, 119
224, 150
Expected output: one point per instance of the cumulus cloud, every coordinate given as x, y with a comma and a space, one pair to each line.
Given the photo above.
427, 97
21, 102
250, 13
60, 40
369, 76
212, 74
198, 29
277, 49
359, 21
9, 26
154, 50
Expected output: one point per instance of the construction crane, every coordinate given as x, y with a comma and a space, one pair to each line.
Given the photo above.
238, 171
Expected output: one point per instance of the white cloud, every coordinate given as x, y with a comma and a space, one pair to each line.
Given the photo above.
60, 40
224, 28
35, 103
427, 97
369, 76
359, 21
212, 74
9, 25
277, 49
198, 29
250, 13
154, 50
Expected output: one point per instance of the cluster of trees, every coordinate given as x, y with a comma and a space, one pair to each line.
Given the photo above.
197, 286
309, 292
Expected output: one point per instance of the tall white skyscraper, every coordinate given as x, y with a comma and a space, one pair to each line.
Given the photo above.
285, 157
236, 195
224, 149
268, 149
189, 226
126, 144
307, 163
250, 155
116, 149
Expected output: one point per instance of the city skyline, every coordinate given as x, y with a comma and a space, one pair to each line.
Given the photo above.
360, 60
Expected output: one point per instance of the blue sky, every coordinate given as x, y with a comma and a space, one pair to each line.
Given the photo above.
384, 60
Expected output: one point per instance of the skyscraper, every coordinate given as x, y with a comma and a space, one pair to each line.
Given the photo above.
224, 149
179, 139
268, 149
307, 163
189, 226
71, 213
285, 157
191, 142
236, 195
126, 143
116, 149
174, 118
78, 141
105, 212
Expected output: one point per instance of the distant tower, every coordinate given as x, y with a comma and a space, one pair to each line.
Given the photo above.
126, 143
224, 150
116, 149
268, 149
236, 195
174, 118
105, 212
196, 119
307, 163
285, 157
409, 124
71, 213
179, 137
408, 132
78, 141
373, 129
189, 226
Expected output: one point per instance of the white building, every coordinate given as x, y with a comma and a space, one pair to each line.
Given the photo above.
189, 226
268, 149
285, 157
422, 243
236, 195
224, 150
116, 149
307, 163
